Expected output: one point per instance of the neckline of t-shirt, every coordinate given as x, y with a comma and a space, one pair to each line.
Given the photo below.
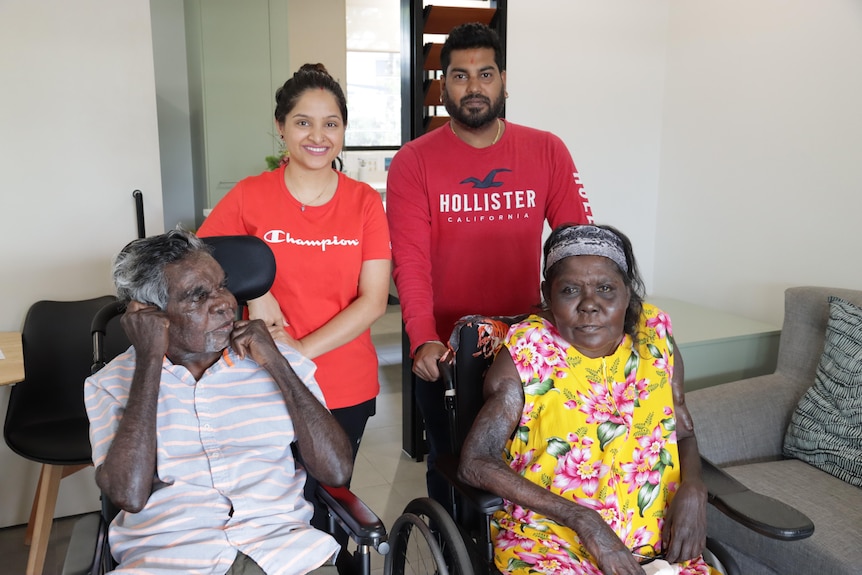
299, 205
493, 148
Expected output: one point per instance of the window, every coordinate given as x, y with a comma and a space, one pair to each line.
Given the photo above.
373, 73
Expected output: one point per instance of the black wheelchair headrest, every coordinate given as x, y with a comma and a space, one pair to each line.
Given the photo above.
247, 262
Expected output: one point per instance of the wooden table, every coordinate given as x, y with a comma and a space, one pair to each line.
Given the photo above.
12, 364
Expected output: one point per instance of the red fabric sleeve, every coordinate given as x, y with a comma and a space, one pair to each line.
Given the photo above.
226, 219
566, 184
410, 227
375, 231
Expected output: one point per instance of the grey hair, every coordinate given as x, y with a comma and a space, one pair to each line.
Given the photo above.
139, 269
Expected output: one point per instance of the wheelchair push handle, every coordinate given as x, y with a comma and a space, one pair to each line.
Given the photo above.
98, 328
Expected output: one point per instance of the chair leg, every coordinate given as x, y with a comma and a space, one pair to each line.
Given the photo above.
43, 516
42, 513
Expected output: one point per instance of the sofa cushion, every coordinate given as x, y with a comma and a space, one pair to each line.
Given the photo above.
835, 508
826, 428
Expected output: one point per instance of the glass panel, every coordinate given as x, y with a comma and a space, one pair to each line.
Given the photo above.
374, 99
373, 72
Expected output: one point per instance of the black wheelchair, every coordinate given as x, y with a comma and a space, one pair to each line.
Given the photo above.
464, 542
250, 269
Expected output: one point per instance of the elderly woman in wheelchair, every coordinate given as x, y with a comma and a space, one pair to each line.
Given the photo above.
600, 471
192, 427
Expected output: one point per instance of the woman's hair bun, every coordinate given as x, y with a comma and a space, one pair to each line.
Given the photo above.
313, 68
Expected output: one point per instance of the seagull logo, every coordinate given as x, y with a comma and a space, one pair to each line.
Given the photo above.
487, 181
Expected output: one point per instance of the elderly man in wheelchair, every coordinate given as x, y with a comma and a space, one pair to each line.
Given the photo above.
192, 428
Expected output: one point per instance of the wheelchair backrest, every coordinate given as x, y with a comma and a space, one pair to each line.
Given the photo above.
475, 342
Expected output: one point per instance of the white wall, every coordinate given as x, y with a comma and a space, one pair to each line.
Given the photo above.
724, 136
317, 32
593, 73
77, 135
761, 164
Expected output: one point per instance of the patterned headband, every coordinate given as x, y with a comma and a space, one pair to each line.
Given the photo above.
587, 241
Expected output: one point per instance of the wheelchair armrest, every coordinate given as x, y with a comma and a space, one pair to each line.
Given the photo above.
755, 511
484, 501
356, 518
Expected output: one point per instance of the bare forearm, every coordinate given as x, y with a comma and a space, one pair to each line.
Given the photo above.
129, 469
370, 304
344, 327
322, 442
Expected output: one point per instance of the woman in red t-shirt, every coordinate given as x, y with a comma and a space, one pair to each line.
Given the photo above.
331, 243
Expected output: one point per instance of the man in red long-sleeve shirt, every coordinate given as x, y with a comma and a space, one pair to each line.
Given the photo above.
466, 205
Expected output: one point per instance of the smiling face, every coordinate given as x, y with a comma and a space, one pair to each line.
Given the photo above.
588, 298
313, 130
474, 89
200, 308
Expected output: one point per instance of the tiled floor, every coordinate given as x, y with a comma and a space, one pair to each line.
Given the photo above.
384, 477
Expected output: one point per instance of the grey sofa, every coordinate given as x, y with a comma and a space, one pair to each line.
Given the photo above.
741, 426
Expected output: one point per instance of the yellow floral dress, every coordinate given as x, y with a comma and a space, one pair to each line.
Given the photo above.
600, 432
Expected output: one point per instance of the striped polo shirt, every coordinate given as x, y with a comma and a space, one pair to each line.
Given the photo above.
226, 477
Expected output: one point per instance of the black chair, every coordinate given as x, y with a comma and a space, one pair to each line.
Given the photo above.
249, 266
475, 341
46, 421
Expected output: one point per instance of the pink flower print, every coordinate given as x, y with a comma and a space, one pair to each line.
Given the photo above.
668, 410
639, 470
509, 540
661, 324
696, 568
525, 415
664, 363
536, 355
521, 461
639, 538
553, 563
556, 542
598, 405
522, 514
574, 470
608, 508
653, 444
627, 396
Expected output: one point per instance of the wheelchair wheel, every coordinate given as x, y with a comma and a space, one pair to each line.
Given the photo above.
413, 549
446, 534
719, 559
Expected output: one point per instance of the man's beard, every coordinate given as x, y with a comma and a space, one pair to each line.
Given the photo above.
475, 118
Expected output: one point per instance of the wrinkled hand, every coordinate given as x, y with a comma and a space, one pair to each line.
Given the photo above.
425, 360
146, 326
684, 531
609, 552
251, 338
278, 333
